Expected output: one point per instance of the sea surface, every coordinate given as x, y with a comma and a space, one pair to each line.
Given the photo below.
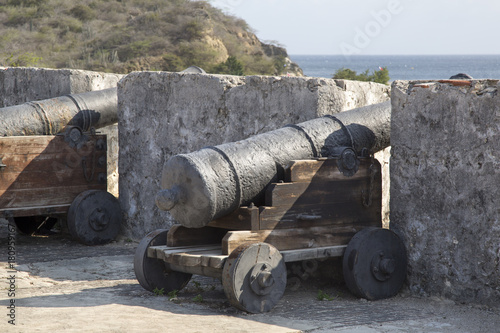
403, 67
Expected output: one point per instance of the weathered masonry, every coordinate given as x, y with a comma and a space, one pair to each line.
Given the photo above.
445, 173
162, 114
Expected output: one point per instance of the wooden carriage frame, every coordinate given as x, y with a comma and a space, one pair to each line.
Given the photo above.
63, 177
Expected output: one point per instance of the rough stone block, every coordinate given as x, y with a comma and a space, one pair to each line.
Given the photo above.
444, 186
162, 114
19, 85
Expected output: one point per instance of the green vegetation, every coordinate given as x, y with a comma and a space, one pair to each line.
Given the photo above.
172, 295
380, 76
121, 36
230, 66
198, 286
322, 296
159, 292
198, 298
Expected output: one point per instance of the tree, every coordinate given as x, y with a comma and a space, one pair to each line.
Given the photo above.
380, 76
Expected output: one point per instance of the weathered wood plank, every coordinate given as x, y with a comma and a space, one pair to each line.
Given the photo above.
290, 239
243, 218
52, 163
322, 170
318, 192
39, 197
303, 216
35, 211
44, 171
61, 176
206, 256
37, 144
323, 201
179, 235
214, 260
314, 253
161, 250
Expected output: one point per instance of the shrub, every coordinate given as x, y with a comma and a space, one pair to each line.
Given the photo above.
279, 64
231, 66
17, 16
197, 53
258, 65
27, 59
172, 63
82, 13
380, 76
67, 24
193, 30
134, 50
26, 3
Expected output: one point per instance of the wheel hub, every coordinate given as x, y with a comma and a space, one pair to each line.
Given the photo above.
382, 266
261, 279
98, 219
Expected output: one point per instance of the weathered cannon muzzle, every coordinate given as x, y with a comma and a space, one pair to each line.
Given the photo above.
207, 184
88, 110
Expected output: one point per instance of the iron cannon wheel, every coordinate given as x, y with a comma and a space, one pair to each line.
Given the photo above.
254, 277
94, 217
154, 273
374, 264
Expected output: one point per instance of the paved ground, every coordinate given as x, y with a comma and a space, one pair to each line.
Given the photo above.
61, 285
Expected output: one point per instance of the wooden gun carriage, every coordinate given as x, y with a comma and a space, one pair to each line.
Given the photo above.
54, 166
319, 208
44, 178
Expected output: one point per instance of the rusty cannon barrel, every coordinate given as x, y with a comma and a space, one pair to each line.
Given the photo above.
94, 109
212, 182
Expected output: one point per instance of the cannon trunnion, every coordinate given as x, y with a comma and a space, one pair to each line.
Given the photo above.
324, 207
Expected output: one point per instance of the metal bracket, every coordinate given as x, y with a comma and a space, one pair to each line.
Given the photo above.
347, 160
75, 137
344, 128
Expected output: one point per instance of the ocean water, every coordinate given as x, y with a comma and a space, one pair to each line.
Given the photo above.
403, 67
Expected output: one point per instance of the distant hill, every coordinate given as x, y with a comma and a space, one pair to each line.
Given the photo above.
121, 36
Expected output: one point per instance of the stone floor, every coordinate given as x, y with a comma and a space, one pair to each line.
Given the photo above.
63, 285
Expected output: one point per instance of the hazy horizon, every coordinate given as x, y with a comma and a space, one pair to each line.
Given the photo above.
375, 27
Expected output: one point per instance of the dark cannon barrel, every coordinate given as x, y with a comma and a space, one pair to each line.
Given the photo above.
94, 109
212, 182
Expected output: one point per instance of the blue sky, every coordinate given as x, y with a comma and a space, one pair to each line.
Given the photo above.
378, 27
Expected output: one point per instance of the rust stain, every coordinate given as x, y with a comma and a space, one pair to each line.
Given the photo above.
457, 83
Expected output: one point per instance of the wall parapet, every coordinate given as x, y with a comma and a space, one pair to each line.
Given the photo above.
444, 186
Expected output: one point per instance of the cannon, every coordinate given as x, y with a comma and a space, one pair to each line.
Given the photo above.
94, 109
53, 165
300, 193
